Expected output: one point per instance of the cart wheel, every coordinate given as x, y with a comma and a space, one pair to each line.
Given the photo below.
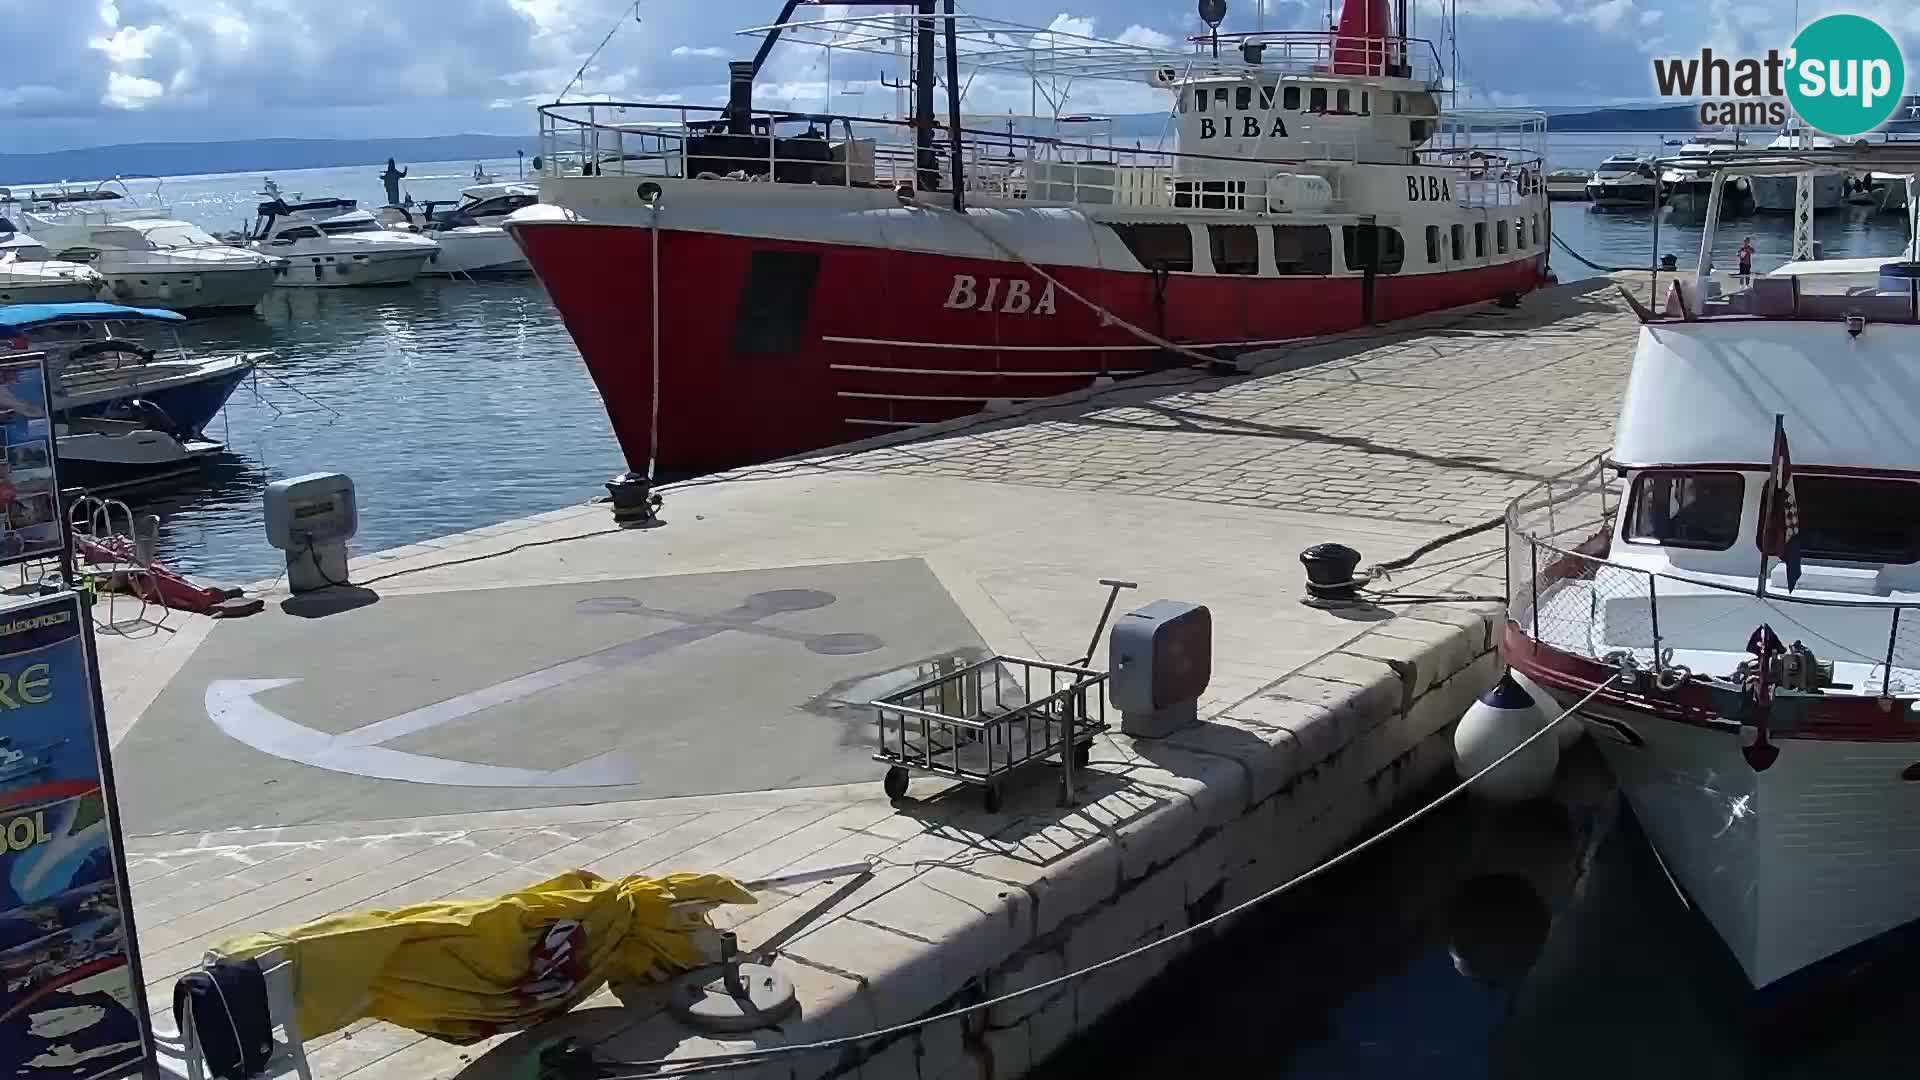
992, 798
1082, 755
895, 783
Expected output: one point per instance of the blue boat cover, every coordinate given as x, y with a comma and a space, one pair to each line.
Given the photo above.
16, 318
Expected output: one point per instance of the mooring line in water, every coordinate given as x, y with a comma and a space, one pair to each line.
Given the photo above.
690, 1066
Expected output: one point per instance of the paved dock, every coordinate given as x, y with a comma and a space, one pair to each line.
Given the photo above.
490, 708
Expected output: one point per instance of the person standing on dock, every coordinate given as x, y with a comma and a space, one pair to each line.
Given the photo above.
1746, 261
392, 178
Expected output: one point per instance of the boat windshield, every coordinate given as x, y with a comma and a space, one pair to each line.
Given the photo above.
180, 236
358, 225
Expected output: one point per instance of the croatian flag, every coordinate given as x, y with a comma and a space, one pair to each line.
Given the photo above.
1781, 536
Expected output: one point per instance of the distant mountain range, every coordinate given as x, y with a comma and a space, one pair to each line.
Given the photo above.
273, 155
250, 155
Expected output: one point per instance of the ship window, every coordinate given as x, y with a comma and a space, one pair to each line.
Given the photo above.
1459, 246
1399, 103
1390, 251
1290, 99
1200, 100
1236, 249
1164, 247
1479, 239
1536, 230
775, 301
1318, 100
1180, 102
1266, 97
1686, 509
1243, 98
1220, 96
1857, 519
1366, 104
1343, 101
300, 232
1500, 241
1433, 243
1520, 232
1302, 249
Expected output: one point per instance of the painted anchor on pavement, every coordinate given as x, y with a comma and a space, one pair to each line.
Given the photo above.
361, 751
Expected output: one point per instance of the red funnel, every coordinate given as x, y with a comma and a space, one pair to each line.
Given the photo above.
1360, 40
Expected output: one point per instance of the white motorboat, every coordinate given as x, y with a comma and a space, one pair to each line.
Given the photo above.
29, 274
490, 204
1737, 586
1690, 186
1776, 194
329, 242
157, 260
466, 247
1625, 180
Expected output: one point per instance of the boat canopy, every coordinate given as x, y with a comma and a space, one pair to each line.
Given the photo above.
18, 318
1705, 394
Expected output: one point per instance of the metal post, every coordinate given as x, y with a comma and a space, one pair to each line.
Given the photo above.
1653, 615
1533, 559
1700, 272
1653, 287
929, 174
1803, 216
953, 112
1893, 635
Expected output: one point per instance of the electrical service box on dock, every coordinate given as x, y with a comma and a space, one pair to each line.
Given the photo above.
311, 518
1160, 660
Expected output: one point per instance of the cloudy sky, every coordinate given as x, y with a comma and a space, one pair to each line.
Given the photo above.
87, 72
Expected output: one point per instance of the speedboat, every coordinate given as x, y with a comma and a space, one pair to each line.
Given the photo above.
467, 247
124, 412
1730, 599
1624, 180
1776, 194
1690, 184
330, 242
29, 274
158, 260
490, 204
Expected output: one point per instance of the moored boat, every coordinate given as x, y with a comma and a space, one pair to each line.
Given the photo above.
1737, 585
788, 281
125, 413
1625, 181
330, 242
1776, 194
29, 274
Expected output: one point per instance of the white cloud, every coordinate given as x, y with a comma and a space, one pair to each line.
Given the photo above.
131, 91
1070, 24
1648, 18
1144, 36
1511, 9
709, 52
1608, 15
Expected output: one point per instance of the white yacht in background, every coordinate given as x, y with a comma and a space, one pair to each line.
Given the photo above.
157, 261
1625, 180
1689, 188
328, 242
489, 204
1775, 194
468, 246
29, 274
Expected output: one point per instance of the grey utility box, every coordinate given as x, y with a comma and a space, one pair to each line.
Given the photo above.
311, 518
1159, 661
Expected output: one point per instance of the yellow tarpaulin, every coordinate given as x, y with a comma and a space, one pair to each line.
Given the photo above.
462, 970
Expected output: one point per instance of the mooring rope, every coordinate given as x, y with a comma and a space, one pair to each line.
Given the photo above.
690, 1066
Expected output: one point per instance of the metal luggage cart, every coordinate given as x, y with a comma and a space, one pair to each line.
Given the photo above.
980, 722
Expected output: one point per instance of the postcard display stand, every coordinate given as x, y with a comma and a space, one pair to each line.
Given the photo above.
72, 998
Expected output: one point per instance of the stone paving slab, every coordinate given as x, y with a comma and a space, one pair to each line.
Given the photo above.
1198, 487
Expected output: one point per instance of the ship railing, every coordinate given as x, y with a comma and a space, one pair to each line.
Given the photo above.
1324, 52
1565, 595
690, 142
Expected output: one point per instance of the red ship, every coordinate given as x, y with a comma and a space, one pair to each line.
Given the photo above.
746, 284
